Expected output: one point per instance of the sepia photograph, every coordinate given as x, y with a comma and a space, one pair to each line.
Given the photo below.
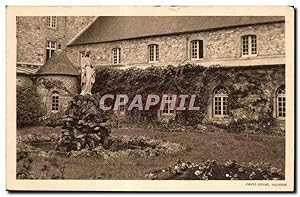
196, 97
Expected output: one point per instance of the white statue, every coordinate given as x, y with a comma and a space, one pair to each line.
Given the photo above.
87, 75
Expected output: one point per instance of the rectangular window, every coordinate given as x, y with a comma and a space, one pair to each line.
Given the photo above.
249, 46
196, 49
52, 21
281, 106
220, 106
168, 106
122, 108
116, 56
55, 102
50, 49
153, 53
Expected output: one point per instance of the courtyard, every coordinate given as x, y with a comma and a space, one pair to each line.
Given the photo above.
213, 144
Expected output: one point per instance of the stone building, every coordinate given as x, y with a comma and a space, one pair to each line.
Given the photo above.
57, 82
38, 39
254, 43
160, 41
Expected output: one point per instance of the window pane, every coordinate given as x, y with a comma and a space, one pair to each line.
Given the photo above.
116, 55
195, 49
281, 102
168, 108
245, 45
54, 19
220, 102
55, 102
48, 21
151, 53
156, 53
253, 45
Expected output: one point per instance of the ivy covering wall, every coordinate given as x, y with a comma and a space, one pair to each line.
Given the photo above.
250, 100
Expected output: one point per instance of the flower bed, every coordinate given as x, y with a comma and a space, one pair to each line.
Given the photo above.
211, 170
125, 146
118, 146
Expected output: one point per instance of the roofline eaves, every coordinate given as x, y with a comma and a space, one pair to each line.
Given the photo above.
81, 32
177, 33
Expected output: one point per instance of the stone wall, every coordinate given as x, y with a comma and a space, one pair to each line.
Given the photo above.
33, 34
224, 44
66, 92
75, 24
251, 93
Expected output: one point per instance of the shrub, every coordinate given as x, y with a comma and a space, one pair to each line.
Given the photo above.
52, 119
28, 106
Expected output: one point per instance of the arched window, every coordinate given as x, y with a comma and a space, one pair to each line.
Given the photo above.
249, 45
55, 101
196, 49
116, 56
280, 98
220, 102
153, 51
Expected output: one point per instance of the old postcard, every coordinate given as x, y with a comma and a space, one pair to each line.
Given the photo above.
150, 98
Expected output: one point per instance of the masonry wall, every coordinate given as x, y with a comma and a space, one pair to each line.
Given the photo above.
33, 34
75, 24
251, 93
66, 93
222, 44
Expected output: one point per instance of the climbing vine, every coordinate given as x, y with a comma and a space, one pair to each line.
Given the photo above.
250, 91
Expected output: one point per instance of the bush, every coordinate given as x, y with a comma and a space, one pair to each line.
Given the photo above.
52, 119
28, 106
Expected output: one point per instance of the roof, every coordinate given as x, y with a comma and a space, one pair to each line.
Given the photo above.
58, 64
112, 28
26, 70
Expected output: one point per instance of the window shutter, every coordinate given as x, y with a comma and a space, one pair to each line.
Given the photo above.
200, 48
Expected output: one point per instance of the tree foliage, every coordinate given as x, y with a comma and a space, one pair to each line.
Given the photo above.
28, 106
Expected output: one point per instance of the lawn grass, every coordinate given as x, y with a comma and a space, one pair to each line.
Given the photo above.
217, 145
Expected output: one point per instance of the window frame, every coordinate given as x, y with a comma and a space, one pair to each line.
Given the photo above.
155, 53
122, 108
55, 102
116, 51
250, 42
197, 49
50, 20
50, 48
168, 103
281, 102
222, 98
